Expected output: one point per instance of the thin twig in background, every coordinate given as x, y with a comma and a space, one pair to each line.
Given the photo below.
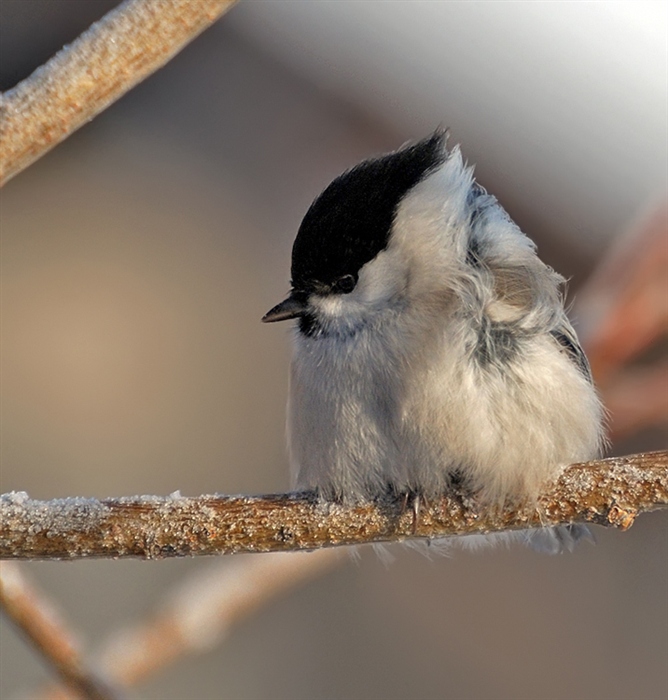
623, 306
203, 609
606, 492
200, 612
623, 313
30, 611
80, 81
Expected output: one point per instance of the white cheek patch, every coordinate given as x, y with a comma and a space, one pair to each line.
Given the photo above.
332, 305
381, 280
431, 219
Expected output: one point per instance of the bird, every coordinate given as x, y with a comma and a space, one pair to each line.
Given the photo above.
431, 345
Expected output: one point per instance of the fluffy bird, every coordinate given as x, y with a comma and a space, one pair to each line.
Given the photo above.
431, 343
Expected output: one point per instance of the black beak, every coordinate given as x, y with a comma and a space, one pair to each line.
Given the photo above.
291, 307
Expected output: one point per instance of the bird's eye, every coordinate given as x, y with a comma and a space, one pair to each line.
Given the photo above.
345, 284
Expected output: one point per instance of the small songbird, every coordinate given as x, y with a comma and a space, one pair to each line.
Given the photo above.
431, 343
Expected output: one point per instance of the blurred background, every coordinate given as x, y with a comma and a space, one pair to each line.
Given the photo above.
140, 254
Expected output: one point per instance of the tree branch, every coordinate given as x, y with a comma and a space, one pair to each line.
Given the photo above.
34, 616
606, 492
80, 81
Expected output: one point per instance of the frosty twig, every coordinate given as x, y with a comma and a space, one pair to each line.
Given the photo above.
80, 81
606, 492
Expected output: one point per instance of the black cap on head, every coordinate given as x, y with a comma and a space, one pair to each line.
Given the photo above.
349, 223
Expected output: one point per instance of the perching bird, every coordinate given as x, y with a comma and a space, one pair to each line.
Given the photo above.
431, 343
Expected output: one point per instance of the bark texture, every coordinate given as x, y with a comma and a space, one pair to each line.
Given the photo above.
610, 492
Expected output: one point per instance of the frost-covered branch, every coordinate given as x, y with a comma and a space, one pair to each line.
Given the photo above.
33, 614
606, 492
80, 81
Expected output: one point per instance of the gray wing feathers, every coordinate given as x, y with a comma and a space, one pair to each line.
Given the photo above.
568, 341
